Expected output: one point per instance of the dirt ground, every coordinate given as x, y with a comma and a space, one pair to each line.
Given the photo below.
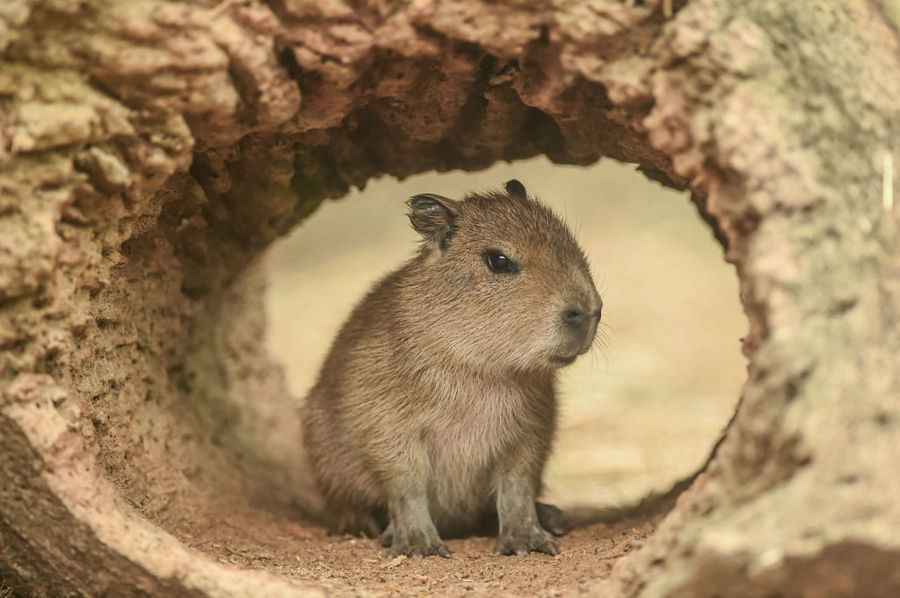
343, 565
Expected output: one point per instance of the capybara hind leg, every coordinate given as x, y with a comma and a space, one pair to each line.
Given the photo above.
552, 519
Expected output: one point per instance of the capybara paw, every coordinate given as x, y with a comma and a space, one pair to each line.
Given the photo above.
416, 543
521, 542
387, 537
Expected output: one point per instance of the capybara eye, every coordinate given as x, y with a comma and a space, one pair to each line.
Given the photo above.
500, 263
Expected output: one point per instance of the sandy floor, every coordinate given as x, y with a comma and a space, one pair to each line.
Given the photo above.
355, 567
639, 413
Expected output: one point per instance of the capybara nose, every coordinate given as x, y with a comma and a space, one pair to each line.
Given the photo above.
599, 311
574, 316
582, 324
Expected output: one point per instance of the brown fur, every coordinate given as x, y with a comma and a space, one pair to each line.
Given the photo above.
441, 384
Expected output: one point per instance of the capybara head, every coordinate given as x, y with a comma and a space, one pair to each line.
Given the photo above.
501, 283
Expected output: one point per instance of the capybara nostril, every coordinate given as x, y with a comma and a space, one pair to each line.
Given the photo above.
574, 316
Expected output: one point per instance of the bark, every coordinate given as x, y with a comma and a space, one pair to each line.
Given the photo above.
150, 150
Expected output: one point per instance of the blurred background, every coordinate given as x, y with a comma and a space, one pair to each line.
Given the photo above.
640, 412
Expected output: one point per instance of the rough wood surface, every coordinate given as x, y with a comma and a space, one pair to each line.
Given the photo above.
150, 150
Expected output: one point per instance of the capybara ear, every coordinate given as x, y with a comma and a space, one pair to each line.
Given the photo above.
515, 188
434, 217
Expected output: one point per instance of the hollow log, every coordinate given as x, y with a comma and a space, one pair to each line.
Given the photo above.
151, 150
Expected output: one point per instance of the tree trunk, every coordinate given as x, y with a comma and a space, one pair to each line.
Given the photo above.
150, 150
